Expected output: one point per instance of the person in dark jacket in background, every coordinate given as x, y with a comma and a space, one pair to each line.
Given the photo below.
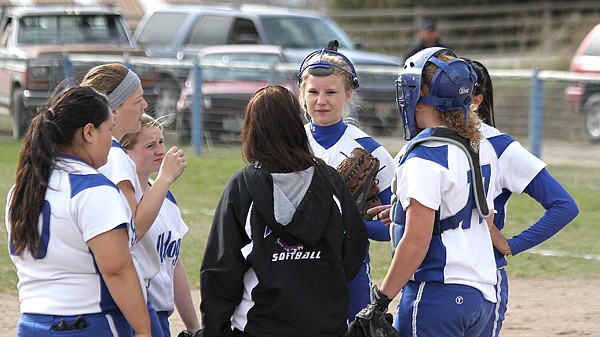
287, 235
428, 37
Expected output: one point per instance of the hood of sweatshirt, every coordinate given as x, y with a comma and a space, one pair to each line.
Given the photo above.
308, 222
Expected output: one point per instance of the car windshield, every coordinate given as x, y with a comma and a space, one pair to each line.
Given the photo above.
303, 32
238, 67
593, 48
66, 29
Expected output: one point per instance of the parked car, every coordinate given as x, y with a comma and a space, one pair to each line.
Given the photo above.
180, 31
35, 42
230, 74
583, 97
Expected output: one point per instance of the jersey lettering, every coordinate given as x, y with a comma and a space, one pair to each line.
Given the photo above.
167, 247
299, 255
486, 172
133, 238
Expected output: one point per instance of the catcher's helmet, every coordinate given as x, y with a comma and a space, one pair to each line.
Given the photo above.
450, 87
323, 67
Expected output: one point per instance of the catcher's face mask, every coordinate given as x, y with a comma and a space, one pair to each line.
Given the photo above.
450, 87
321, 67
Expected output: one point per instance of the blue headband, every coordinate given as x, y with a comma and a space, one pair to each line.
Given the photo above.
323, 67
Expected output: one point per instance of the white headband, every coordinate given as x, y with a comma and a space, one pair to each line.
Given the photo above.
123, 90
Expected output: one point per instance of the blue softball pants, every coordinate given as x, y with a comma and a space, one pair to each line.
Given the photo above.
433, 309
492, 328
100, 324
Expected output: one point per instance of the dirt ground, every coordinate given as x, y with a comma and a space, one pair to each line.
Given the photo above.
537, 308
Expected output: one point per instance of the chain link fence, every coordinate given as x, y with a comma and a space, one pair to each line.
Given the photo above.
208, 110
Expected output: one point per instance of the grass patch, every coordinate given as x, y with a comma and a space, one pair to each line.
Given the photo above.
199, 188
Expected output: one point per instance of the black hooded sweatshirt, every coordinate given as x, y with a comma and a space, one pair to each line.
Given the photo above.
264, 278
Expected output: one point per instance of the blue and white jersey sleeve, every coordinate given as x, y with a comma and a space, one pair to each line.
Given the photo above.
120, 167
425, 175
90, 208
518, 165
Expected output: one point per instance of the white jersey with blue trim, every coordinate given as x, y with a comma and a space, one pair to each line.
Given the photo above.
352, 138
118, 168
437, 175
64, 279
518, 166
166, 232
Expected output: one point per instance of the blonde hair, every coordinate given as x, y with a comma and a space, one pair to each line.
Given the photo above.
105, 78
131, 139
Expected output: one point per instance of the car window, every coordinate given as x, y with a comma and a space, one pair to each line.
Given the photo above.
244, 32
302, 32
161, 28
209, 30
593, 48
6, 33
64, 29
238, 67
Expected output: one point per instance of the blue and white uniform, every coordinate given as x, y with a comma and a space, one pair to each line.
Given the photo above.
120, 167
166, 232
333, 144
63, 281
523, 172
452, 291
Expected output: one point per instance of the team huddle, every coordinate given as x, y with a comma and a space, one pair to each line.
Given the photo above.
96, 241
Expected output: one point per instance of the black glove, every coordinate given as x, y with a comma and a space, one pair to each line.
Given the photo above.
78, 324
186, 333
374, 320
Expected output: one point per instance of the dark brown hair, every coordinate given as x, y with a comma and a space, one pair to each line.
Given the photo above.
485, 88
273, 134
52, 129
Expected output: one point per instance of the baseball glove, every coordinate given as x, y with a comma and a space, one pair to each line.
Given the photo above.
359, 171
374, 320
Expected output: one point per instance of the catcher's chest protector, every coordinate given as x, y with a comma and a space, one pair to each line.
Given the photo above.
472, 152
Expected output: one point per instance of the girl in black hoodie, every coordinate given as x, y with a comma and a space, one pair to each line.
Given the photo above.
286, 237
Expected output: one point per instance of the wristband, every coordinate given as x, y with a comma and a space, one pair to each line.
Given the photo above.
508, 251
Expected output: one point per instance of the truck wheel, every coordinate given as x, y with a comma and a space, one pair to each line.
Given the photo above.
591, 116
20, 117
165, 109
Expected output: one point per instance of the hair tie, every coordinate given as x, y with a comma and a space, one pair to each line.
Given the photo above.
51, 110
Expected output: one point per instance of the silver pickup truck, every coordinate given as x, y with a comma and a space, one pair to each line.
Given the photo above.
43, 45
